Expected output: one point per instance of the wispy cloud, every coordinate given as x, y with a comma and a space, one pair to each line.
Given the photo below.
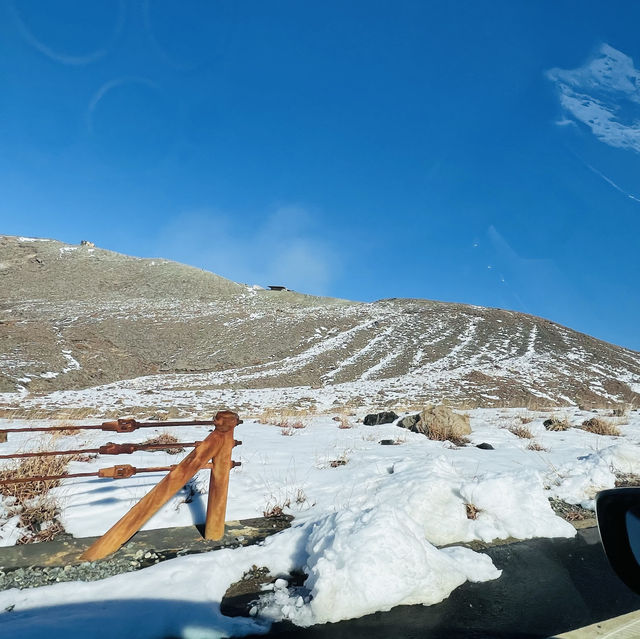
609, 181
603, 94
285, 248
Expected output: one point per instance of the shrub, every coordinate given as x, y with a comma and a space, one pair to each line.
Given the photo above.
599, 426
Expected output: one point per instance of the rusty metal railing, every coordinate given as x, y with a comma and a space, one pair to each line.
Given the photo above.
214, 453
123, 425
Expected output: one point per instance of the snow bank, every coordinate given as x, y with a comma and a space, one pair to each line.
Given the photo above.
578, 482
361, 562
436, 495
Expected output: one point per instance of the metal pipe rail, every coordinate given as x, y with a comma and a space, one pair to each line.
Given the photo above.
119, 426
120, 471
108, 449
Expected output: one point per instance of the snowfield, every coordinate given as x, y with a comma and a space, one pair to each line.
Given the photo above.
375, 526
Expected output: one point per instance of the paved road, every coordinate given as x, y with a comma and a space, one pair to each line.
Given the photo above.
547, 587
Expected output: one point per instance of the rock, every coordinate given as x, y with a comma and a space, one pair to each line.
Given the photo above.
485, 446
375, 419
387, 442
439, 423
409, 422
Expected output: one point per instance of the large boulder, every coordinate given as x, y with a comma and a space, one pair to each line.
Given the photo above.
438, 422
375, 419
409, 422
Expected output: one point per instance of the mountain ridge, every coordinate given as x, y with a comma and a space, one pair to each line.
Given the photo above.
73, 317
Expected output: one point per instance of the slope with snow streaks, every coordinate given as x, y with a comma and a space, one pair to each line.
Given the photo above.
72, 319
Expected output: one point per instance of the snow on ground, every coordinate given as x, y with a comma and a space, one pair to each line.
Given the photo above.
371, 520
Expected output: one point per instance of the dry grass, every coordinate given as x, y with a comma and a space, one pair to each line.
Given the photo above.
275, 510
557, 424
535, 446
440, 423
440, 436
472, 511
284, 416
37, 510
599, 426
627, 480
288, 427
621, 411
165, 438
339, 461
525, 419
36, 412
64, 431
521, 431
570, 512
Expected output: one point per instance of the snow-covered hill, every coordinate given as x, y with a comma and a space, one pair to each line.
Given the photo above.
74, 317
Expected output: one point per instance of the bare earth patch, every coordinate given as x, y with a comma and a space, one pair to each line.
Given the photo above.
570, 512
627, 480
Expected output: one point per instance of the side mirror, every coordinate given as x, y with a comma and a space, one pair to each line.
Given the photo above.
618, 513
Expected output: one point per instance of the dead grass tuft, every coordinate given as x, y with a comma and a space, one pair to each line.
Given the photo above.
621, 411
37, 510
557, 424
165, 438
275, 510
599, 426
570, 512
627, 480
536, 447
340, 461
521, 431
472, 511
64, 431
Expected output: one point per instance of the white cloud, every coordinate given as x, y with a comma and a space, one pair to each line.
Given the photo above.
284, 248
603, 94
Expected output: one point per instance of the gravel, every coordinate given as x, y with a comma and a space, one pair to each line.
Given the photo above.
34, 576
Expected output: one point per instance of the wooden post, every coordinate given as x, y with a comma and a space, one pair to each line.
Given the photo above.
123, 530
219, 487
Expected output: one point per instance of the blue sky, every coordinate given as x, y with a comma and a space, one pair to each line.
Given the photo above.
477, 152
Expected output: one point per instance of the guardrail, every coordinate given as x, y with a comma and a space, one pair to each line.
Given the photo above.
214, 453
